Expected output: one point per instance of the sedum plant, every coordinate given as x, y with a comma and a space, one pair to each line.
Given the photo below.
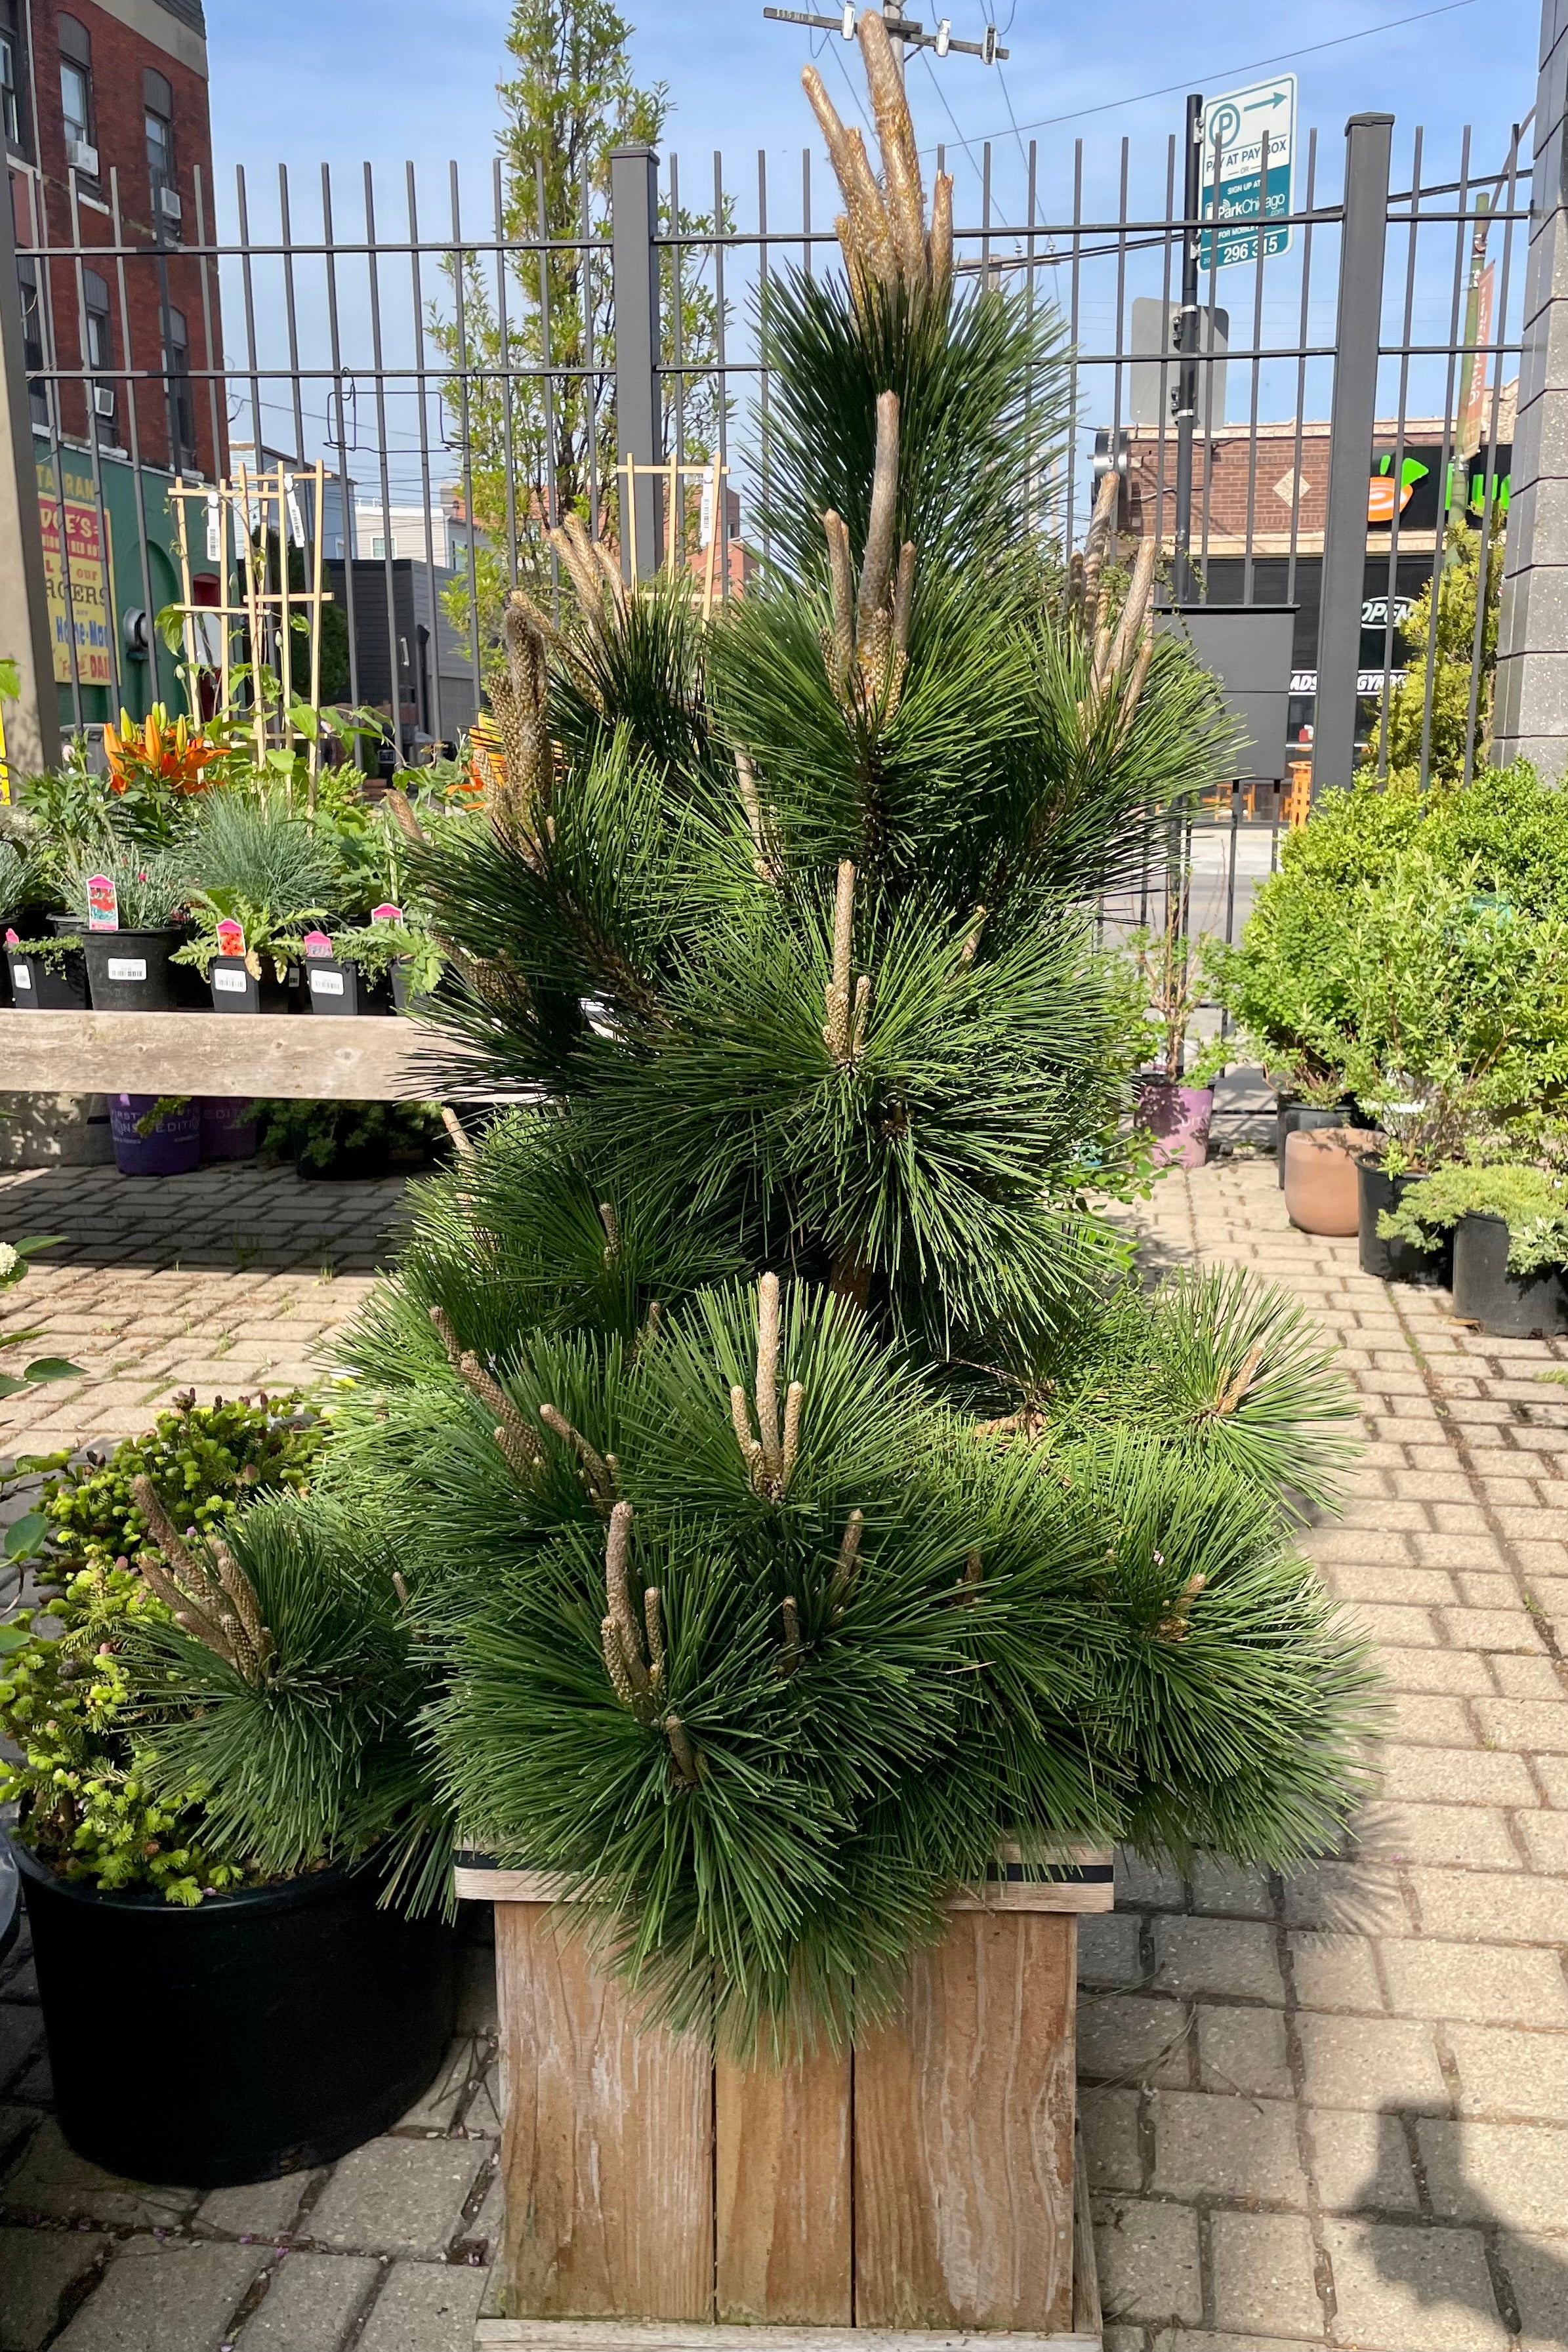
797, 1496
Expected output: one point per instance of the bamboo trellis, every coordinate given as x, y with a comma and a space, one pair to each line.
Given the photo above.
245, 514
672, 475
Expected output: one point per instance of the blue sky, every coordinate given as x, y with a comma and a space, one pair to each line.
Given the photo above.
392, 80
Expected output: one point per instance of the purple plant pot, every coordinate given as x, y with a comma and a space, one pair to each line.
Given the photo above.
230, 1130
173, 1149
1178, 1119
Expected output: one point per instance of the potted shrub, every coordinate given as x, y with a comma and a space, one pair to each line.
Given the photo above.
155, 1135
216, 1793
349, 1142
1175, 1099
128, 964
261, 867
830, 1548
1508, 1225
380, 966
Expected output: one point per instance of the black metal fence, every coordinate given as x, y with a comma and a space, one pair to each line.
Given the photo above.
468, 368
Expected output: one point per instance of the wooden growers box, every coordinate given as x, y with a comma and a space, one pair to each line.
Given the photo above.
918, 2185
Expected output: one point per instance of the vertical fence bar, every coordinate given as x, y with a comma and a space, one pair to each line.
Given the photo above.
345, 490
33, 722
1488, 522
388, 543
1352, 422
633, 219
465, 434
133, 419
1438, 550
1391, 595
422, 395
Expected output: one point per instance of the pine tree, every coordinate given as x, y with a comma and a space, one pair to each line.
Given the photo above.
799, 1492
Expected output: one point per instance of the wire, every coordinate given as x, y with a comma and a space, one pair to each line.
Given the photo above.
1108, 105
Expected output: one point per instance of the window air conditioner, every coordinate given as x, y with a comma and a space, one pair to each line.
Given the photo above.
169, 205
82, 156
102, 400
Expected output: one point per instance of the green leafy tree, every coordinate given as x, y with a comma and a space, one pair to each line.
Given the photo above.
1458, 587
542, 448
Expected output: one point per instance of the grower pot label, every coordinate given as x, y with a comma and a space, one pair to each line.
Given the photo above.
229, 983
21, 976
127, 967
326, 983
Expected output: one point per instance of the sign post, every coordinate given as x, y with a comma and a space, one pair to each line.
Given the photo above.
1237, 205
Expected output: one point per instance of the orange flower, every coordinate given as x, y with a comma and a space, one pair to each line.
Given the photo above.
158, 753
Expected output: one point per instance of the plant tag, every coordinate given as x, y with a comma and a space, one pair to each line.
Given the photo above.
229, 983
317, 943
326, 983
127, 967
22, 976
230, 937
386, 913
13, 939
103, 905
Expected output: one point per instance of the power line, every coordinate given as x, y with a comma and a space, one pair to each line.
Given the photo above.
1220, 73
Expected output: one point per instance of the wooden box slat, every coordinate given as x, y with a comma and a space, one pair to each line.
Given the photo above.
607, 2141
963, 2134
782, 2184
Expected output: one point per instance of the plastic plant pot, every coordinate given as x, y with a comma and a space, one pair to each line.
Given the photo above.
229, 1126
173, 1146
338, 986
1508, 1306
129, 971
1178, 1117
1293, 1118
236, 988
1322, 1192
1397, 1260
41, 986
309, 2021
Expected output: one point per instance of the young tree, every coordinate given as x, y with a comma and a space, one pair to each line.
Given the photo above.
1451, 731
801, 1496
531, 405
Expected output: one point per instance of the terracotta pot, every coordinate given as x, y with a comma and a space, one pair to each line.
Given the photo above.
1322, 1189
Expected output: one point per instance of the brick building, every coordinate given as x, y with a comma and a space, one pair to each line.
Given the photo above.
108, 141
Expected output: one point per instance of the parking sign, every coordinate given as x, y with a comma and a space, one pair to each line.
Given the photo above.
1239, 130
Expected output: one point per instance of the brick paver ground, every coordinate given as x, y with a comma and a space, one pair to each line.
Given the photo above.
1332, 2112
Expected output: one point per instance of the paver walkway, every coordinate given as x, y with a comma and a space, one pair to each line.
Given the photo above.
1335, 2111
1329, 2113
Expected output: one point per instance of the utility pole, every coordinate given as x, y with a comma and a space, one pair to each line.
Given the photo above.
1187, 352
904, 33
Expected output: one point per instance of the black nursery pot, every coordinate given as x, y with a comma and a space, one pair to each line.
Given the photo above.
1292, 1116
1397, 1260
40, 987
1508, 1306
337, 985
307, 2020
129, 971
236, 989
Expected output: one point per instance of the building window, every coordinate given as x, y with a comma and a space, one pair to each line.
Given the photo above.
158, 115
11, 85
182, 407
75, 88
99, 354
378, 551
33, 340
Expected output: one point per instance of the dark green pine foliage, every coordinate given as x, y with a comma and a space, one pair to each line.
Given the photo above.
799, 1496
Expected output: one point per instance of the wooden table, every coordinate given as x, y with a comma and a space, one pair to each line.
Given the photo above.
299, 1056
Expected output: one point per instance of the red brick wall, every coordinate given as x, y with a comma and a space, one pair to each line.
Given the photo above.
119, 57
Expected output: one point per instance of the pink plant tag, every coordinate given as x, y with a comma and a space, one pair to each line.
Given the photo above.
12, 938
317, 943
386, 913
103, 905
230, 937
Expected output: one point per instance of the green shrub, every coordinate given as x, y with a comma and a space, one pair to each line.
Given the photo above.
316, 1134
201, 1460
1532, 1204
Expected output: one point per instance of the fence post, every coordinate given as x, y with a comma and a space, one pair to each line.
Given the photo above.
1369, 139
32, 722
1532, 704
634, 271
